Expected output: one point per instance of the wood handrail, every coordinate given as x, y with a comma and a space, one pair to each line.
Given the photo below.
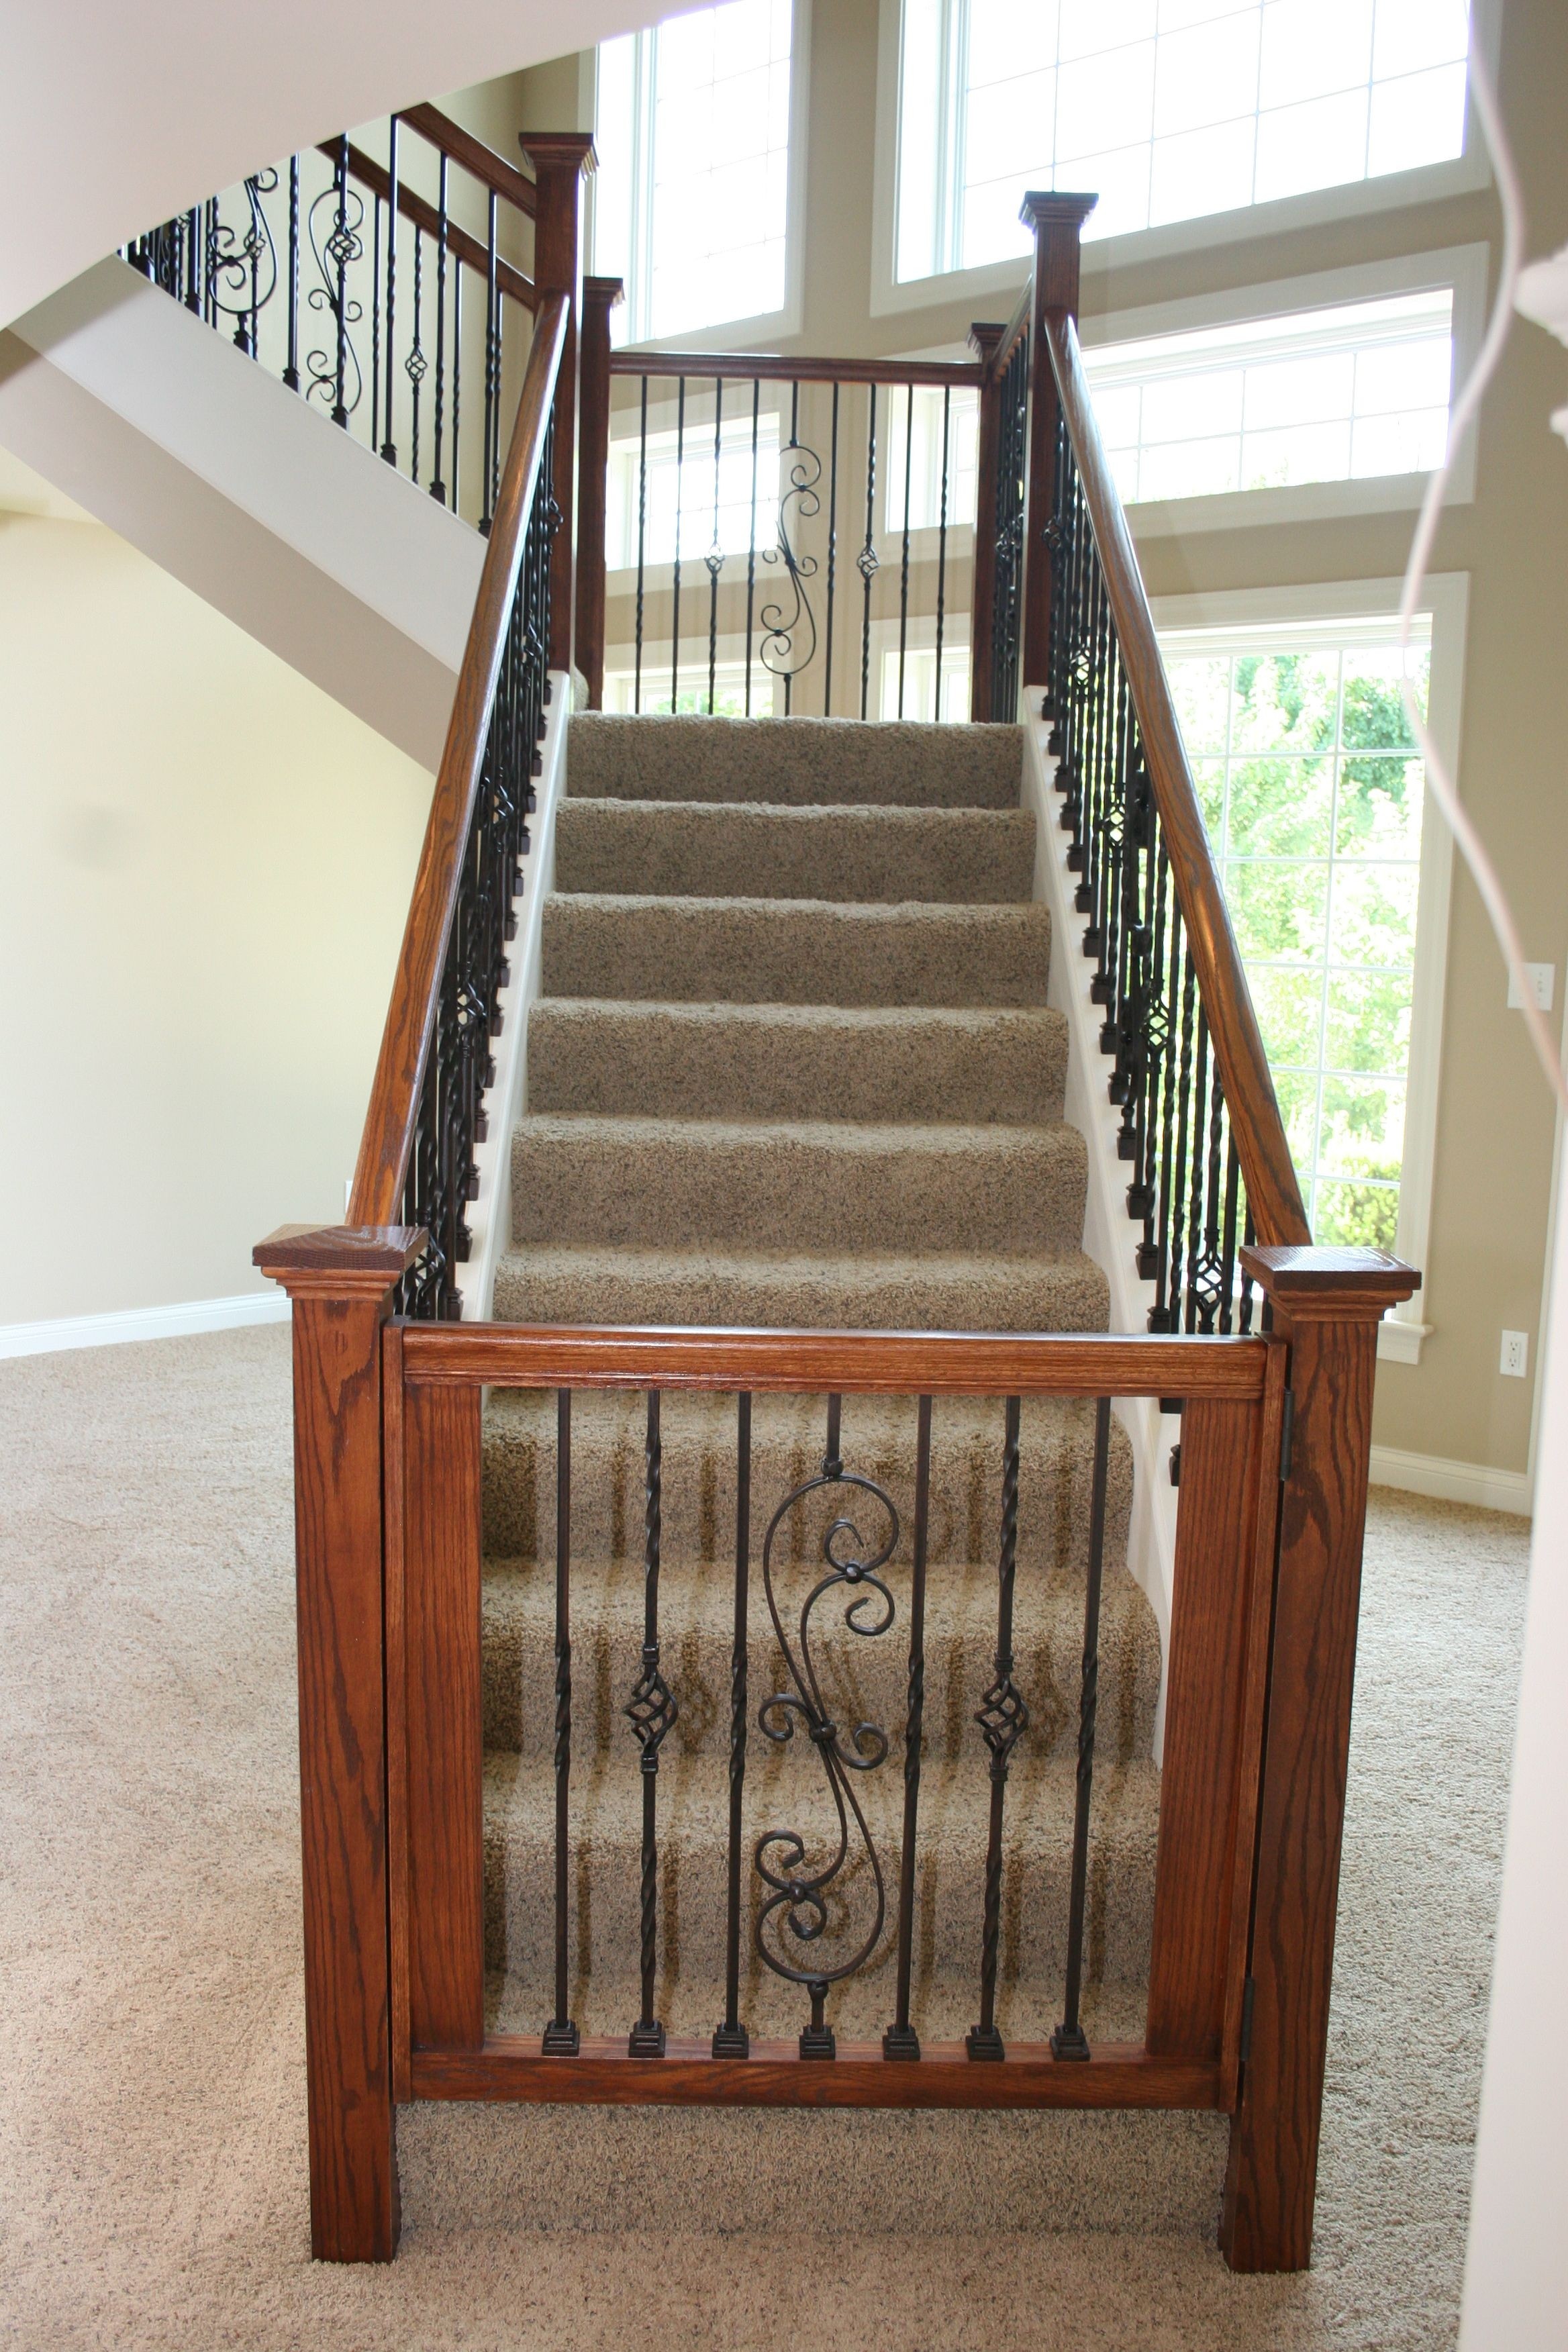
998, 359
473, 156
771, 367
1273, 1194
388, 1137
424, 216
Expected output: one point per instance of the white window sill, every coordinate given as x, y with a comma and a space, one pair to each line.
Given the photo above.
1399, 1342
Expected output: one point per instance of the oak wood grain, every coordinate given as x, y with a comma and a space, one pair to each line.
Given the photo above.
388, 1136
1273, 1194
888, 1364
1116, 2076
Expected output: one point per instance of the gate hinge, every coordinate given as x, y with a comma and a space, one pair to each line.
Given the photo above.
1247, 1991
1287, 1432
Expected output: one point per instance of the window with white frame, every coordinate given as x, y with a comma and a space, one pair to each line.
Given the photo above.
1334, 394
691, 196
705, 487
1168, 109
1313, 792
933, 433
910, 681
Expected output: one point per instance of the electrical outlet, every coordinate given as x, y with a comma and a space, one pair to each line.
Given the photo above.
1515, 1354
1542, 978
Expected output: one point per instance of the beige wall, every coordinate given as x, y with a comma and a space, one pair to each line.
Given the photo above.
1495, 1124
208, 865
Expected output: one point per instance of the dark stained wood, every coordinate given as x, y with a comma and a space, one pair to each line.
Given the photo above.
473, 155
1218, 1593
388, 1135
986, 341
295, 1252
1057, 220
559, 160
443, 1788
343, 1754
1272, 1192
366, 169
773, 368
887, 1363
1116, 2076
1335, 1282
1271, 2179
393, 1524
600, 296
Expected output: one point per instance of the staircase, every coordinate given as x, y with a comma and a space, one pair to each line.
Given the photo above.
792, 1065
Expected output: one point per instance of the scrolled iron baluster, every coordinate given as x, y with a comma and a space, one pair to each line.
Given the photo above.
234, 262
341, 245
780, 655
798, 1897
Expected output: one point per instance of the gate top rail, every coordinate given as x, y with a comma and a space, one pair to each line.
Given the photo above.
868, 1363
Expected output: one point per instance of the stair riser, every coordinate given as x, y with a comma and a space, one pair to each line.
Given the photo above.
693, 1845
786, 1188
862, 1681
863, 1295
879, 1441
760, 952
883, 857
807, 764
730, 1062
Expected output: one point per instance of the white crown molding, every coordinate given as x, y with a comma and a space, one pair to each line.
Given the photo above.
130, 1323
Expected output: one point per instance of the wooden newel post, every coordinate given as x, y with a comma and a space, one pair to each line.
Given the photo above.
1057, 219
560, 161
1326, 1304
985, 339
340, 1279
600, 296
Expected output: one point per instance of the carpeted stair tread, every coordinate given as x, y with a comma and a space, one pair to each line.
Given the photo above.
794, 1289
778, 1060
785, 1788
862, 1681
758, 950
878, 1439
717, 850
833, 1186
800, 762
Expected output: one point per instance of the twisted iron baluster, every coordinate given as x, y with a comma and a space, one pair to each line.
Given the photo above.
1003, 1720
865, 562
1068, 2041
561, 2039
901, 2039
389, 445
651, 1712
731, 2040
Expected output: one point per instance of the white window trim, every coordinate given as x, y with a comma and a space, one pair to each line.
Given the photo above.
1447, 596
765, 326
1391, 192
1462, 267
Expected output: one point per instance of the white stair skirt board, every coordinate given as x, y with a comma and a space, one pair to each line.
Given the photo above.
300, 534
1448, 1481
1109, 1233
490, 1216
192, 1315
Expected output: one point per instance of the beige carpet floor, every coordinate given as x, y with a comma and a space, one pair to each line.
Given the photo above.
152, 2082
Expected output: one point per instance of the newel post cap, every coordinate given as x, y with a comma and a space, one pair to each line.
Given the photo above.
339, 1260
1055, 208
1330, 1285
610, 291
559, 150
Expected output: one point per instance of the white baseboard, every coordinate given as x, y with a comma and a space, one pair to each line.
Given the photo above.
1451, 1482
192, 1315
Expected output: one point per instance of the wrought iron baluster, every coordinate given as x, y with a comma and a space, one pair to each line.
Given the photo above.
415, 365
642, 544
437, 487
345, 249
1003, 1720
651, 1712
490, 456
865, 562
832, 557
561, 2039
901, 2039
904, 567
731, 2040
389, 441
457, 387
680, 502
1068, 2041
942, 548
1228, 1232
716, 552
789, 633
193, 260
752, 544
292, 365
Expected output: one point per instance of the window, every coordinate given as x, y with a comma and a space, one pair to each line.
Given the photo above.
1313, 797
691, 197
1169, 109
910, 680
923, 427
1323, 396
727, 489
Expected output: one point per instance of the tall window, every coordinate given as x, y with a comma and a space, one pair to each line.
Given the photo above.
1312, 793
692, 198
1169, 109
1317, 396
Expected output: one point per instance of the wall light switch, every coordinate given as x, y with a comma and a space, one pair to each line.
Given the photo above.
1515, 1354
1541, 979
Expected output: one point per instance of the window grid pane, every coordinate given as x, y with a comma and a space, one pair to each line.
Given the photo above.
1301, 757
